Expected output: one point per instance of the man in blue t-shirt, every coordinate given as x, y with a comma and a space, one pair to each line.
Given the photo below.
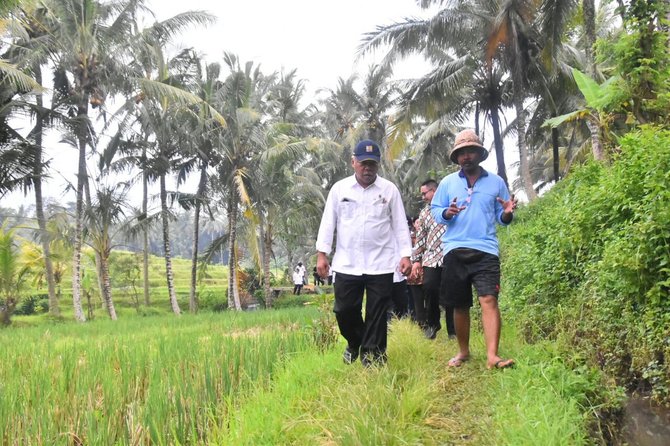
470, 202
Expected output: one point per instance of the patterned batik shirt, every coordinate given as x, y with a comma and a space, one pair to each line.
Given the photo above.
428, 247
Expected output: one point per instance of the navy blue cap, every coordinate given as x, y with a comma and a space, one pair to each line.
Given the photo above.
367, 150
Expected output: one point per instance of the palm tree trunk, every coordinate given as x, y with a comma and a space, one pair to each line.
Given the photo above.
233, 289
192, 302
267, 252
524, 169
589, 11
107, 288
555, 153
166, 247
54, 308
622, 10
96, 254
596, 143
500, 150
7, 311
82, 178
145, 230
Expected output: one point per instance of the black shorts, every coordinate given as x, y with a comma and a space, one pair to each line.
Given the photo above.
463, 268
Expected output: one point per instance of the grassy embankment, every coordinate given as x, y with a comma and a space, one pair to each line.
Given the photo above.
127, 291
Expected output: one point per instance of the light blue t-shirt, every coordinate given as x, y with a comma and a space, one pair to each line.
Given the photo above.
475, 226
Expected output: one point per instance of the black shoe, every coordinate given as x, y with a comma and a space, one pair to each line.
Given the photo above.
350, 355
430, 333
373, 360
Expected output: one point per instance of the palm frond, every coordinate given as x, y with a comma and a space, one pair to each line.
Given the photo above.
160, 91
10, 74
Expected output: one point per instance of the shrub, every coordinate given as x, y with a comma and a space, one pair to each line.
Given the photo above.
35, 304
591, 261
209, 299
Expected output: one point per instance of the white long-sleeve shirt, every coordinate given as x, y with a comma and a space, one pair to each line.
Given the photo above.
367, 222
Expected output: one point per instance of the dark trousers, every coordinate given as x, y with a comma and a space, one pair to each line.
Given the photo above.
419, 303
432, 278
400, 299
297, 288
368, 335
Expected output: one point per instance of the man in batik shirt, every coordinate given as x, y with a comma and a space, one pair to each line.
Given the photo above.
427, 256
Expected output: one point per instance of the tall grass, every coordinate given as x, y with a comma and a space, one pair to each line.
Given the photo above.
162, 380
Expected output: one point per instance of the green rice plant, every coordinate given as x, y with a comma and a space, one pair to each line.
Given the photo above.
160, 381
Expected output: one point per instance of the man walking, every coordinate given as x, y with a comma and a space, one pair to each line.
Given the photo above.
427, 258
470, 202
367, 214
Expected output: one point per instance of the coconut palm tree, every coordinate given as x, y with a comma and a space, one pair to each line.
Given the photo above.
240, 101
280, 192
501, 37
461, 84
200, 154
86, 40
150, 69
29, 49
102, 221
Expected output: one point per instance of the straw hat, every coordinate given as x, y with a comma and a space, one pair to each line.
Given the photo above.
467, 138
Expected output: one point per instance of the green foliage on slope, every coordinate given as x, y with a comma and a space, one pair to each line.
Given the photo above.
590, 262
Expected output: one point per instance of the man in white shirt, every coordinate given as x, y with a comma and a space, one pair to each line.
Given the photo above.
300, 268
367, 214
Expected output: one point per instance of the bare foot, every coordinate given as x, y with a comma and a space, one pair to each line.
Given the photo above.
457, 361
500, 364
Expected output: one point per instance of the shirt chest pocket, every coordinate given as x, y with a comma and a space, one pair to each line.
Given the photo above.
381, 210
346, 210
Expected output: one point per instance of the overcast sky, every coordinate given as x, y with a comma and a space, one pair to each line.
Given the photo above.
317, 37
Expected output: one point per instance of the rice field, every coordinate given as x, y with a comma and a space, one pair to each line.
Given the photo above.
156, 380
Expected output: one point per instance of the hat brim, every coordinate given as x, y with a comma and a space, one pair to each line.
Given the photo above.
454, 152
367, 158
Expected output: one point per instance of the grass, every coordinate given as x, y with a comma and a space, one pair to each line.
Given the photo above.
276, 378
416, 399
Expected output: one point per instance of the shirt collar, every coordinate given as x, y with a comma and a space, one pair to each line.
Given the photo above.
483, 173
354, 183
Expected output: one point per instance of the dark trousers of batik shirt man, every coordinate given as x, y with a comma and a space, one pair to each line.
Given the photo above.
366, 216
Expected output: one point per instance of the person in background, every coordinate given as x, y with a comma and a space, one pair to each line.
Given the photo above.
317, 279
365, 214
414, 284
470, 203
303, 272
297, 282
427, 261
